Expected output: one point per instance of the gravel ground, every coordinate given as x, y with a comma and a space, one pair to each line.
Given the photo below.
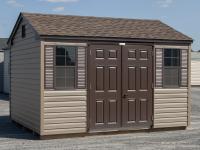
12, 137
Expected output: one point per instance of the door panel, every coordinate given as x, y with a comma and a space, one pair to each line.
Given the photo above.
136, 86
105, 92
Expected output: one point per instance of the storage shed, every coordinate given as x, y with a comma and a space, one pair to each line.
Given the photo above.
1, 69
195, 68
3, 48
79, 74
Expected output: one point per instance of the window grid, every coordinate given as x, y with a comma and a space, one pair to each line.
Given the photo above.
171, 69
66, 81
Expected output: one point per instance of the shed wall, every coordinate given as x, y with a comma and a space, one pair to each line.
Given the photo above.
25, 79
65, 111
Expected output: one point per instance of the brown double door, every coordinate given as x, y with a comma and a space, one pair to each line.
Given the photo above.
120, 86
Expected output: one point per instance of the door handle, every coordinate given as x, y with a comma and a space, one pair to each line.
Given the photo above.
125, 95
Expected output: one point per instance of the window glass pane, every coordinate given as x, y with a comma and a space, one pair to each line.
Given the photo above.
175, 62
60, 82
70, 56
60, 72
167, 61
171, 57
167, 53
70, 72
175, 53
171, 77
70, 82
60, 50
70, 77
60, 61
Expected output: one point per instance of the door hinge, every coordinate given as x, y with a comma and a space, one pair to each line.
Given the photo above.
90, 52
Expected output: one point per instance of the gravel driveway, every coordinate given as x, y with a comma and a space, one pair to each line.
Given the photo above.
12, 137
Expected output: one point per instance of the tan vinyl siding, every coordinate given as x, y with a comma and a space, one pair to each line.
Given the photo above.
170, 107
195, 73
65, 112
25, 79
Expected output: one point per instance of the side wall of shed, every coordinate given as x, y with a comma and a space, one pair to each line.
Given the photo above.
172, 105
25, 78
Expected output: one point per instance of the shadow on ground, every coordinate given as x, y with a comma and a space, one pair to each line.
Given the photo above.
7, 128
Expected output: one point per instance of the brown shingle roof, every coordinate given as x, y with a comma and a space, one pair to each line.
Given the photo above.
82, 26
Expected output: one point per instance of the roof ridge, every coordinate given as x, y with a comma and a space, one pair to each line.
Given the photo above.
100, 17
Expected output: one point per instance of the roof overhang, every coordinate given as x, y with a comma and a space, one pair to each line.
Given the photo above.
113, 39
19, 19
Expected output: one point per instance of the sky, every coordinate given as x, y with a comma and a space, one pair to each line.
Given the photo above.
183, 15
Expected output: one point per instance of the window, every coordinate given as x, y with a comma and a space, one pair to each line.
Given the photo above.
23, 31
171, 68
65, 67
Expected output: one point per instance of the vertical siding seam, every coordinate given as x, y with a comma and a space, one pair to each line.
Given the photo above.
189, 86
42, 73
153, 90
